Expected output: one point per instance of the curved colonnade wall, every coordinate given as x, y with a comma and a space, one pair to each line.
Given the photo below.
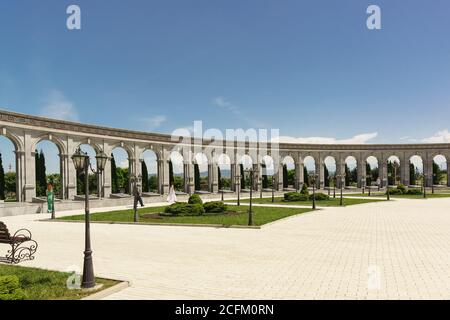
26, 131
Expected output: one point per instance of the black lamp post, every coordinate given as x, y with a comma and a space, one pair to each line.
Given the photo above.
273, 188
432, 183
252, 173
237, 185
221, 189
388, 195
424, 185
260, 187
135, 180
334, 186
341, 178
363, 184
312, 179
81, 161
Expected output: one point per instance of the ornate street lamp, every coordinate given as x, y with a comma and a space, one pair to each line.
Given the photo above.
312, 179
273, 188
363, 184
334, 186
221, 184
425, 176
135, 180
252, 173
341, 178
82, 164
237, 185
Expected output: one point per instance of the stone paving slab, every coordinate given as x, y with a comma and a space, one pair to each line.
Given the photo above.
382, 250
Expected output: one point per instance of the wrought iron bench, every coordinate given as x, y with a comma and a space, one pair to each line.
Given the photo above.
22, 246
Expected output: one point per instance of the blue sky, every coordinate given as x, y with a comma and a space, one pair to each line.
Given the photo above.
310, 68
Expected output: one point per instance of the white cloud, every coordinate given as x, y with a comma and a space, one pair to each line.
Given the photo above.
442, 136
59, 107
224, 104
123, 164
154, 122
358, 139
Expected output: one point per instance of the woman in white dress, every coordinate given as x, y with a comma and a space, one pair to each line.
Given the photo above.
172, 197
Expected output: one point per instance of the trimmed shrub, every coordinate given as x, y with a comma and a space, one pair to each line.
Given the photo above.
10, 288
402, 188
195, 199
185, 209
394, 191
295, 196
414, 192
215, 207
320, 197
304, 190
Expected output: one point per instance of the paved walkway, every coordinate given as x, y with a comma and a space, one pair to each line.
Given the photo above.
394, 250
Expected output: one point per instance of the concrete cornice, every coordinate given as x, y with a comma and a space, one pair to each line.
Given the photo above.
35, 122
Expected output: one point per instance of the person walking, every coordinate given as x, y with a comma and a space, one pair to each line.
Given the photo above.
172, 197
50, 198
137, 194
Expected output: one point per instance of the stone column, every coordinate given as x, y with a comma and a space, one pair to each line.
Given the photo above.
382, 167
428, 170
63, 175
71, 173
233, 175
20, 161
448, 171
163, 176
320, 170
404, 168
189, 179
30, 170
213, 178
258, 177
362, 173
300, 168
280, 176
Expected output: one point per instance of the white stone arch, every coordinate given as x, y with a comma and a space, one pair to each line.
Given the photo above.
14, 138
177, 161
441, 161
330, 164
62, 149
150, 157
6, 153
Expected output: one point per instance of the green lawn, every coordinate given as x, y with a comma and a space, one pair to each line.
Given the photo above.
405, 196
40, 284
333, 202
237, 216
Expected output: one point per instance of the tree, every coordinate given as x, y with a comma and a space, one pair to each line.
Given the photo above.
145, 181
114, 182
241, 166
265, 180
436, 173
153, 183
305, 176
41, 178
2, 179
171, 180
412, 174
10, 184
285, 176
326, 175
196, 177
368, 174
347, 176
219, 178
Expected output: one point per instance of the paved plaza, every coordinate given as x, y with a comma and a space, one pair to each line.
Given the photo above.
386, 250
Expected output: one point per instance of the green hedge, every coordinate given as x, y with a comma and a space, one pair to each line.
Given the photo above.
295, 196
401, 189
215, 207
320, 197
185, 209
10, 288
195, 199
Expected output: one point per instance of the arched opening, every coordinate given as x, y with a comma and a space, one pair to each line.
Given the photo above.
149, 171
416, 171
288, 173
309, 167
47, 169
93, 178
120, 171
201, 173
440, 171
224, 172
268, 171
372, 172
176, 171
8, 180
245, 164
351, 172
393, 170
329, 171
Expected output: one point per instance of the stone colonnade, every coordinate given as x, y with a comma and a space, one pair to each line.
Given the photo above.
27, 131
